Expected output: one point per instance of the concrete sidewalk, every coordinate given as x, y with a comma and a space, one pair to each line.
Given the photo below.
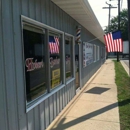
95, 108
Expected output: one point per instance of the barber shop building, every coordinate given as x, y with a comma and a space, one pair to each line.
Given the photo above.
49, 49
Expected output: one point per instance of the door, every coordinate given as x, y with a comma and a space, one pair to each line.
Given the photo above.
77, 66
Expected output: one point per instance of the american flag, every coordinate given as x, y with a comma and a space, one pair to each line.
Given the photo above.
54, 44
114, 42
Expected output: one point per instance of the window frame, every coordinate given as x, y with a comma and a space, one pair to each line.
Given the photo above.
47, 29
33, 26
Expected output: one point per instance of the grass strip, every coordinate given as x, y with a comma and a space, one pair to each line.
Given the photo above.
123, 86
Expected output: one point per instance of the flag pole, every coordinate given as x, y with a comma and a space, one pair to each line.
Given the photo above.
129, 31
118, 25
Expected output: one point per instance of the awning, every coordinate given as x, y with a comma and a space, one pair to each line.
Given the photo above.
82, 12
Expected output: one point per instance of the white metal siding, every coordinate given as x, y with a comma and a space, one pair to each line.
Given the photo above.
12, 83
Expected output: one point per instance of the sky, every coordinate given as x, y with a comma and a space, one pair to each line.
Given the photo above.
102, 14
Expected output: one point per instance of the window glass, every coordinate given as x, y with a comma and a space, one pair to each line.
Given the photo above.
68, 57
101, 52
34, 54
94, 51
77, 66
97, 52
55, 60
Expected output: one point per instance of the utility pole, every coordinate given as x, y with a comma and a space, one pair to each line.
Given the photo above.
110, 7
129, 31
118, 25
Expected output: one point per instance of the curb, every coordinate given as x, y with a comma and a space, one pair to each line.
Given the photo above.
125, 67
73, 101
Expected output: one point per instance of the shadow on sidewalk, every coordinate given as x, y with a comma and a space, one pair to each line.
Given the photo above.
90, 115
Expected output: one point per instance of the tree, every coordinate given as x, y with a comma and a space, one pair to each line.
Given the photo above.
123, 24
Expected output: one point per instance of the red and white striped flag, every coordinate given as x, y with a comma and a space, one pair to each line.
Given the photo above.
54, 44
114, 42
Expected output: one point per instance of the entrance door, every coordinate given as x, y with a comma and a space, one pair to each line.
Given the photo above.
77, 66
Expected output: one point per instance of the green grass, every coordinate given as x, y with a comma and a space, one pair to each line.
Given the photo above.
123, 86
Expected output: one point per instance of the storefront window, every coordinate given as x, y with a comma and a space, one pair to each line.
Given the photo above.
34, 54
101, 52
55, 60
95, 52
68, 57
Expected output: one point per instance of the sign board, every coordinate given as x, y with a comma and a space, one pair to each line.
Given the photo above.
55, 77
87, 54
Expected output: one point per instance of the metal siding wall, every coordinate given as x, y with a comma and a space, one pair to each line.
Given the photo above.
30, 120
51, 108
12, 94
37, 118
17, 10
42, 116
47, 114
71, 93
88, 71
3, 108
38, 10
58, 18
55, 108
63, 100
58, 102
52, 14
43, 11
32, 13
9, 63
25, 7
68, 92
48, 12
65, 92
61, 106
61, 19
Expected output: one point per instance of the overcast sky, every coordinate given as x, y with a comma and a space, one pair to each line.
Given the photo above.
102, 14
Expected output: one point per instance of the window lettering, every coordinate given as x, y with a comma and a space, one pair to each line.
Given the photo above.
33, 65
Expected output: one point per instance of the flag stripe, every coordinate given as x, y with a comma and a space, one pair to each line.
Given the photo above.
54, 44
113, 45
109, 42
107, 45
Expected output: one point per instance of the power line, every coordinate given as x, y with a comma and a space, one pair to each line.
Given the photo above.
118, 23
110, 7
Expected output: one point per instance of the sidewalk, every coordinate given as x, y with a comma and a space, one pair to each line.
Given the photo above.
96, 108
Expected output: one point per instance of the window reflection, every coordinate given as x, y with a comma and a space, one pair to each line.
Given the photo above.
55, 63
34, 54
68, 57
77, 65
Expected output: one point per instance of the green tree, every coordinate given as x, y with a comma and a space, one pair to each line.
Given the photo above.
123, 24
